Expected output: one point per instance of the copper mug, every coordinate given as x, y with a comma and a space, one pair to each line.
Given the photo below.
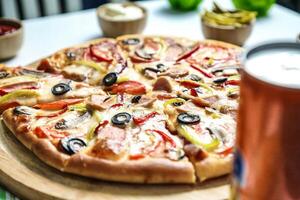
267, 156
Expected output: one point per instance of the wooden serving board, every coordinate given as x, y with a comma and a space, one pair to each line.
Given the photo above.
29, 178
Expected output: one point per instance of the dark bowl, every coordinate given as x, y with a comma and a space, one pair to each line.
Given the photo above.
11, 43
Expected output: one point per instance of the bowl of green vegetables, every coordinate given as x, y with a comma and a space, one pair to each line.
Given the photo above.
233, 26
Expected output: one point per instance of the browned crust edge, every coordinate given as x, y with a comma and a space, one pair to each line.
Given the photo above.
213, 167
150, 170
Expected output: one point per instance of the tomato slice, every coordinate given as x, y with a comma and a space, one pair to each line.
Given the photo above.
129, 87
103, 52
18, 86
57, 105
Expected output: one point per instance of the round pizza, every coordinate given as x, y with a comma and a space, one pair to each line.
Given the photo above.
136, 109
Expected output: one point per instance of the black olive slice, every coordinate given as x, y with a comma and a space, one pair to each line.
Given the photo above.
121, 119
194, 77
60, 89
62, 124
71, 55
161, 67
187, 118
152, 69
72, 145
136, 99
3, 74
177, 104
131, 41
110, 78
220, 80
21, 110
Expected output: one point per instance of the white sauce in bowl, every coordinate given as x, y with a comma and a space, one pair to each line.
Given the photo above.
121, 12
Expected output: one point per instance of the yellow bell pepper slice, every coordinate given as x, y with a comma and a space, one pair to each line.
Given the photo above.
98, 118
91, 64
122, 79
174, 100
80, 107
190, 135
16, 79
14, 95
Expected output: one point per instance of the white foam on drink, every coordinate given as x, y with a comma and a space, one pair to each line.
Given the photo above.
276, 66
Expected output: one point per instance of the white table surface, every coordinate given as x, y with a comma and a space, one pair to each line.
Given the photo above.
44, 36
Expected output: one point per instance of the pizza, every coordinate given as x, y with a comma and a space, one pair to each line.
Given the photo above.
136, 109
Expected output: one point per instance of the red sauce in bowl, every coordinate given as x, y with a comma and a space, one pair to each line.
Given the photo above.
7, 29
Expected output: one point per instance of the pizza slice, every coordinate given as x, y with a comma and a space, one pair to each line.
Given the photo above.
209, 136
88, 62
24, 86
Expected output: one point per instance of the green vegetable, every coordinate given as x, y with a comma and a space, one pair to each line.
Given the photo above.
190, 135
220, 17
14, 95
260, 6
80, 107
184, 5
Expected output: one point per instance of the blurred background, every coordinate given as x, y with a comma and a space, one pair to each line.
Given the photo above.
25, 9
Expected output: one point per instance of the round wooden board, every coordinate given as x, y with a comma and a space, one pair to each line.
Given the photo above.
29, 178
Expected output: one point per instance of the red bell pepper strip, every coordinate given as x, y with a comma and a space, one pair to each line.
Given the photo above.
101, 125
189, 53
116, 105
129, 87
164, 136
226, 151
141, 120
57, 105
55, 114
136, 156
18, 86
232, 82
189, 84
194, 92
47, 132
205, 73
6, 106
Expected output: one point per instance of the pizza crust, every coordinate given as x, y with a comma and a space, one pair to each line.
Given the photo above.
149, 170
213, 166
